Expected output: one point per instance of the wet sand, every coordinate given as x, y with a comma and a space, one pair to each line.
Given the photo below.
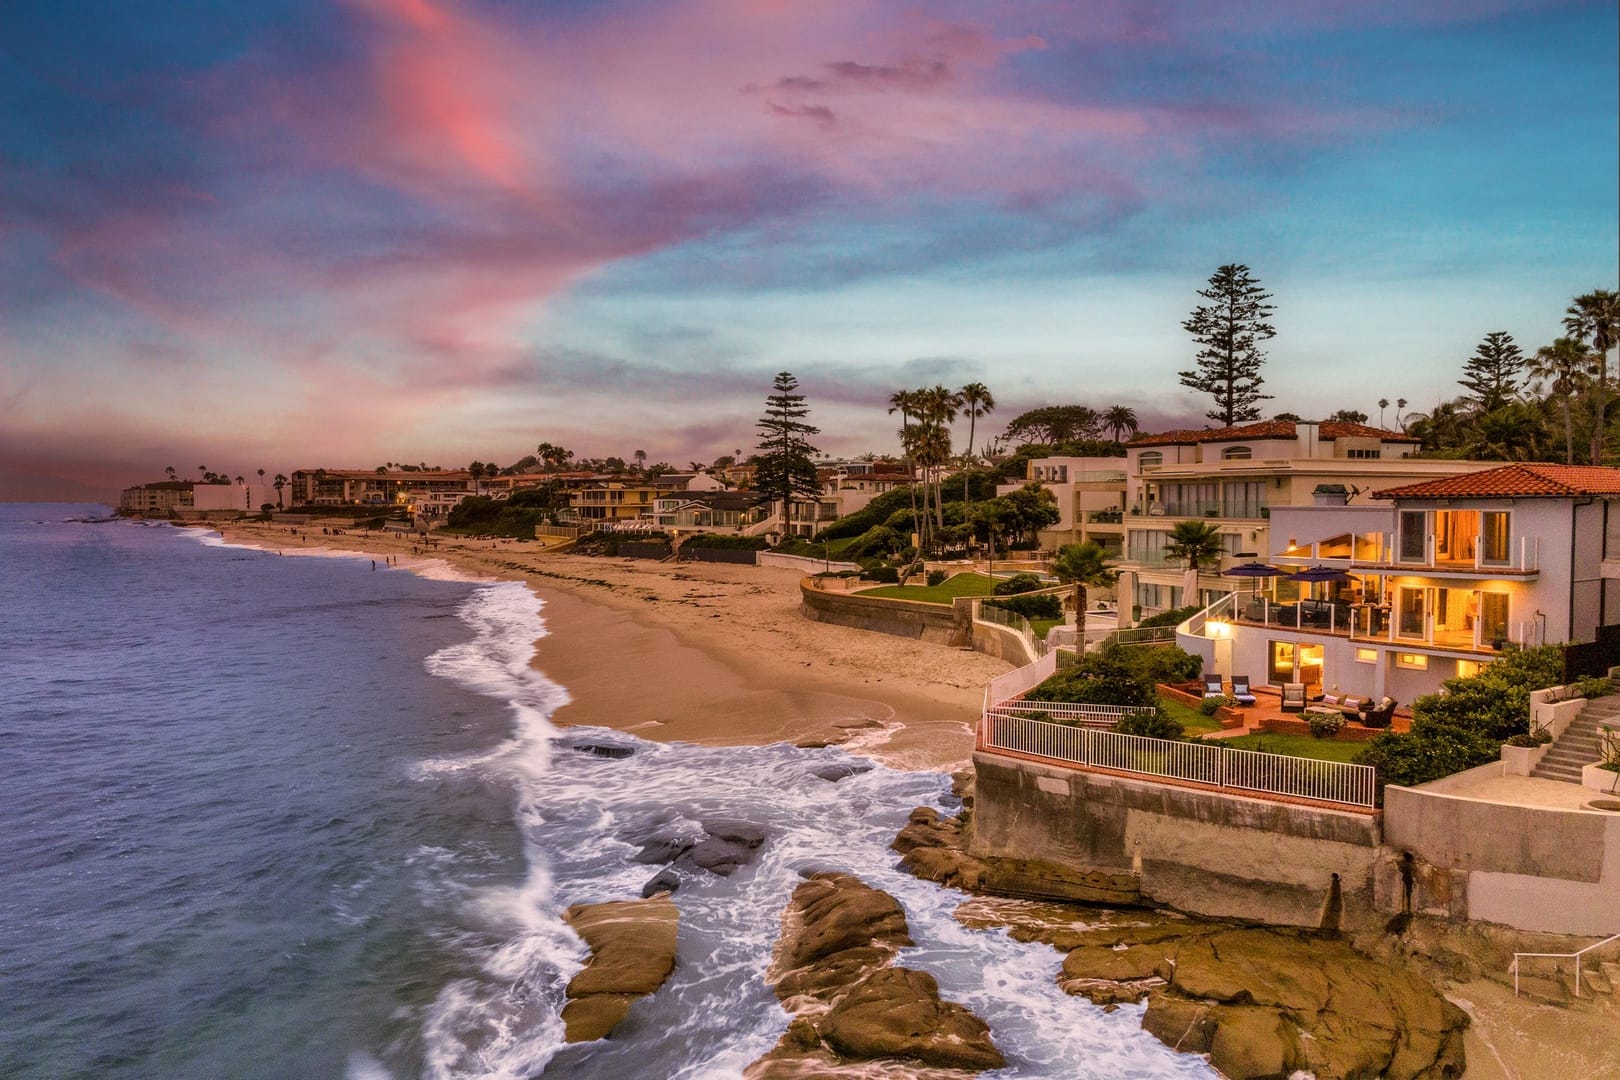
710, 653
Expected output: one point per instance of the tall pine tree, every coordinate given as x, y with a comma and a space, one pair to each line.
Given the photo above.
1495, 372
1229, 331
784, 468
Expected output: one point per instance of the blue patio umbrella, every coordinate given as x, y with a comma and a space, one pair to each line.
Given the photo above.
1320, 573
1254, 570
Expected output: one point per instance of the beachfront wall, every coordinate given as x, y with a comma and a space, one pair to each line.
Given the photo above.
1533, 868
1202, 852
902, 618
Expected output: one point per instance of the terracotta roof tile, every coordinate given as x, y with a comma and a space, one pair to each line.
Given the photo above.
1525, 480
1270, 429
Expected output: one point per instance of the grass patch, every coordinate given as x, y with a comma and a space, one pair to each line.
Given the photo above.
1299, 746
961, 585
1195, 722
1042, 626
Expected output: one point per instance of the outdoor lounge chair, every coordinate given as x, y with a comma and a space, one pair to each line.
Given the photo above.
1293, 697
1212, 686
1380, 715
1240, 690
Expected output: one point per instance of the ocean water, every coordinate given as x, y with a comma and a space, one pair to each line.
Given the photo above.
276, 816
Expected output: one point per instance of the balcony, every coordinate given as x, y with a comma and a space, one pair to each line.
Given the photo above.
1372, 624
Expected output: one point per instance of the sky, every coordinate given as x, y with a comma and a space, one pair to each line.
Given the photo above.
302, 233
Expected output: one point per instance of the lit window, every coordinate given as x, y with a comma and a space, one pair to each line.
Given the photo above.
1366, 656
1415, 661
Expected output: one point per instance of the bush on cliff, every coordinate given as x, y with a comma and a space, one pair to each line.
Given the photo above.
1018, 583
1031, 607
1465, 725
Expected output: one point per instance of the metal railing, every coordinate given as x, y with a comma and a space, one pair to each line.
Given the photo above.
1191, 762
1139, 635
1576, 956
1068, 712
1011, 684
1015, 622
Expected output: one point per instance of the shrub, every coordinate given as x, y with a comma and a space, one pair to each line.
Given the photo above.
1209, 705
725, 542
1151, 725
1170, 618
1031, 607
1326, 725
1169, 664
1415, 758
887, 575
1536, 737
1594, 687
1018, 583
936, 577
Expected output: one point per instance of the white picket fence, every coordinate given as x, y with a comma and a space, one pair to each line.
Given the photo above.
1193, 762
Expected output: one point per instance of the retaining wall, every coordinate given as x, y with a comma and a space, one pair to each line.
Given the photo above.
902, 618
807, 565
1198, 851
1533, 868
1002, 642
741, 556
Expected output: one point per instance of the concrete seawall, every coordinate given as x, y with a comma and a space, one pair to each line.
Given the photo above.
1202, 852
902, 618
1533, 868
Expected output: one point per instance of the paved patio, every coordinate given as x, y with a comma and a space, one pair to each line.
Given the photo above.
1523, 791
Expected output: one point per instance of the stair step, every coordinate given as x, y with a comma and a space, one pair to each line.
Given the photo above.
1594, 981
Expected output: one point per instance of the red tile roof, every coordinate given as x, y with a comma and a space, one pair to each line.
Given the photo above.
1270, 429
1526, 480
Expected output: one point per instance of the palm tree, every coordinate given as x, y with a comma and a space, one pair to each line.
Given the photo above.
279, 483
1120, 419
1199, 543
1400, 404
1383, 403
1595, 317
941, 406
905, 403
641, 460
976, 402
1563, 366
1083, 565
476, 471
168, 470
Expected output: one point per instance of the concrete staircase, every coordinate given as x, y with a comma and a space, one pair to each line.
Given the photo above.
1579, 744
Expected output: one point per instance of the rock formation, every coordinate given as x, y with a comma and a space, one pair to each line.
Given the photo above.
935, 850
833, 970
632, 945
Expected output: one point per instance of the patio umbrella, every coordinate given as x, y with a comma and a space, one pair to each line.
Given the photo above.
1320, 573
1254, 570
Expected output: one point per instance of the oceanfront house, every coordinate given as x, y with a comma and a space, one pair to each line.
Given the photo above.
611, 501
736, 512
1424, 582
1090, 494
1236, 479
379, 487
688, 481
846, 487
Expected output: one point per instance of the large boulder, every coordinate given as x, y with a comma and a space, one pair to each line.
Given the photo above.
632, 945
832, 968
897, 1013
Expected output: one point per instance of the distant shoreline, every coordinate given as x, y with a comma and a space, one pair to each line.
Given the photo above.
705, 653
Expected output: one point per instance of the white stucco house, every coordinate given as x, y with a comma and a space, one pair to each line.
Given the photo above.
1425, 582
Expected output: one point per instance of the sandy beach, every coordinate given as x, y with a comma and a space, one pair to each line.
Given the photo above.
709, 653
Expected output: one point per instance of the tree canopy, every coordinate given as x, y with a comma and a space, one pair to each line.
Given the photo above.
1228, 331
785, 466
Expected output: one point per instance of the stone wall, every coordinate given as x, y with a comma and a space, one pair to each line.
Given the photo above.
1199, 851
902, 618
1532, 868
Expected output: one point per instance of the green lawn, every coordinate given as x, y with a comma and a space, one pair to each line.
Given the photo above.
1298, 746
1190, 718
1041, 626
960, 585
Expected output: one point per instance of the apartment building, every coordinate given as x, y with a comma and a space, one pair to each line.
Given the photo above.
1090, 494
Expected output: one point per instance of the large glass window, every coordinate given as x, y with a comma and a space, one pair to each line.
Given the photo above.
1493, 618
1146, 546
1148, 458
1409, 613
1243, 499
1237, 453
1414, 536
1493, 529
